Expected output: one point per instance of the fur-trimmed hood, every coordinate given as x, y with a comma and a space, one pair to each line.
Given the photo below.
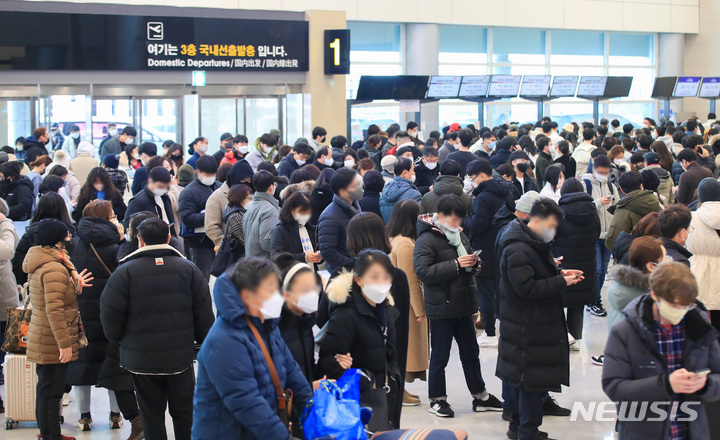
630, 277
306, 186
340, 288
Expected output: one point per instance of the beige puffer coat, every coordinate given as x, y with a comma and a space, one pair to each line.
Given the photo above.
704, 242
55, 319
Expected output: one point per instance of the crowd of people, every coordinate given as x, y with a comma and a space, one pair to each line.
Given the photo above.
375, 255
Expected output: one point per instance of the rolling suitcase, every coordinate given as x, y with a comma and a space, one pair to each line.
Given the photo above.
20, 386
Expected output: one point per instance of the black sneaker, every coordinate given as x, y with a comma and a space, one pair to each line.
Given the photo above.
2, 407
597, 309
513, 435
441, 409
492, 403
506, 416
551, 408
598, 360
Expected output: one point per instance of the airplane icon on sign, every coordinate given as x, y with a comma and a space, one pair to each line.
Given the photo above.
155, 31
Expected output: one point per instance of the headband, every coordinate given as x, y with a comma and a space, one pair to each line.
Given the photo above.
291, 273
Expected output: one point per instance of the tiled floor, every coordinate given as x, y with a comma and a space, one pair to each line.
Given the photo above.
584, 387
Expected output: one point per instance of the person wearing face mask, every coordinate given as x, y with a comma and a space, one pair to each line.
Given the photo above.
99, 186
319, 135
143, 154
130, 159
427, 170
239, 197
198, 147
350, 159
156, 291
58, 138
116, 145
554, 179
217, 203
84, 161
72, 141
545, 150
154, 198
581, 154
226, 146
34, 145
347, 188
55, 336
402, 187
361, 332
448, 182
298, 158
448, 146
239, 150
294, 233
112, 132
191, 204
533, 354
490, 196
674, 223
446, 265
324, 158
691, 176
17, 191
636, 204
669, 330
261, 217
174, 154
485, 148
236, 394
463, 156
265, 150
522, 182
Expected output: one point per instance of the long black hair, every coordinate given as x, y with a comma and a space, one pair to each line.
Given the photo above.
87, 192
403, 220
52, 205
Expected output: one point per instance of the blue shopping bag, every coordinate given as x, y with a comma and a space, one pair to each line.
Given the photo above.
330, 413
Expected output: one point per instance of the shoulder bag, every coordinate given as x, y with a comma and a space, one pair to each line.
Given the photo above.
100, 259
18, 323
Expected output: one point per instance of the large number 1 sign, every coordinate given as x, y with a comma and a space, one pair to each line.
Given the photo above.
337, 52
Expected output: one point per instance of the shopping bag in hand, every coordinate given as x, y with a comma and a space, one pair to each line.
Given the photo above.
329, 413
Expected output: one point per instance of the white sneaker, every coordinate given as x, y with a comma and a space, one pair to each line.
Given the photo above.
571, 340
66, 399
487, 341
574, 345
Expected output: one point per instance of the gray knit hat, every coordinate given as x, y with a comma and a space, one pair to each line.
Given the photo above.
525, 203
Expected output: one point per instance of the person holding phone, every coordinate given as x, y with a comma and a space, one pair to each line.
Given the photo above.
666, 352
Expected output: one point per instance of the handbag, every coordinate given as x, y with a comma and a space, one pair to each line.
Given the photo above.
224, 258
284, 397
377, 399
333, 413
18, 323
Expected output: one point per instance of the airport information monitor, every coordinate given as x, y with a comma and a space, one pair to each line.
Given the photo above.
474, 86
687, 86
564, 86
592, 86
444, 87
504, 86
710, 88
535, 86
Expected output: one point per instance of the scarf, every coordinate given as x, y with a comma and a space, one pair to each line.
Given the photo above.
453, 238
354, 207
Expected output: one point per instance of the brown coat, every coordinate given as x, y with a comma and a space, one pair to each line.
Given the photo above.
418, 350
55, 318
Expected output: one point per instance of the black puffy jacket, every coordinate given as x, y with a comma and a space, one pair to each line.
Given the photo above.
20, 197
449, 289
371, 202
104, 236
529, 184
118, 205
145, 201
26, 242
33, 149
191, 205
157, 306
286, 238
490, 196
322, 198
332, 242
533, 349
297, 333
425, 177
576, 241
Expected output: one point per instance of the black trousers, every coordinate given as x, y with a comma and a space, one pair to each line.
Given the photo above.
127, 402
575, 317
203, 258
50, 388
156, 393
526, 412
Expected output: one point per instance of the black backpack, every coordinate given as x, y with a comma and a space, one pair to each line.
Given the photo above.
588, 186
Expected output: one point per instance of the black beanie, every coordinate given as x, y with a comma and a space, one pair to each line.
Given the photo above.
50, 232
241, 170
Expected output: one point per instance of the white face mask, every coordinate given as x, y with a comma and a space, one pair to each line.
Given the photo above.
468, 185
159, 192
136, 156
267, 150
129, 141
243, 150
99, 187
302, 219
377, 292
300, 162
247, 204
618, 162
74, 135
548, 234
413, 177
113, 132
272, 307
328, 161
202, 148
553, 149
308, 303
448, 228
208, 181
600, 178
670, 313
431, 165
349, 163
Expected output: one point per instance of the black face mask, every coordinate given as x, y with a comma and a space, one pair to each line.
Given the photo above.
176, 156
522, 167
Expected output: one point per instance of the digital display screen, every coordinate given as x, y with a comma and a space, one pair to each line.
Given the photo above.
535, 85
410, 87
444, 86
592, 86
504, 86
710, 88
618, 86
687, 86
664, 87
564, 86
474, 86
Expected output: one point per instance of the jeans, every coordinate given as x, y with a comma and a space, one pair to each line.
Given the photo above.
526, 412
50, 387
442, 332
203, 258
156, 393
602, 258
486, 292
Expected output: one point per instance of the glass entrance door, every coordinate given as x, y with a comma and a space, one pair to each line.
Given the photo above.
15, 120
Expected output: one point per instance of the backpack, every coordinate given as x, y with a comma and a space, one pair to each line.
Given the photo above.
588, 186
